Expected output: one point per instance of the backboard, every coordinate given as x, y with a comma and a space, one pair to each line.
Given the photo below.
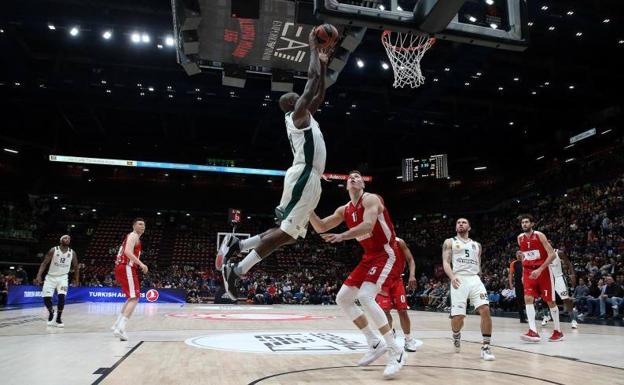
493, 23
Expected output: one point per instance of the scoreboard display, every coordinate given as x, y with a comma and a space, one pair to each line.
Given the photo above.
433, 167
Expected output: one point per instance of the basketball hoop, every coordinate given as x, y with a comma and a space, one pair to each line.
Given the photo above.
405, 51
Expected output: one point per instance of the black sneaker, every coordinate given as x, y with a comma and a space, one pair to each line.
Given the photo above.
229, 248
51, 318
230, 280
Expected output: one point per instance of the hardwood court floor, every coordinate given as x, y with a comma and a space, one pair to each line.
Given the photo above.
212, 344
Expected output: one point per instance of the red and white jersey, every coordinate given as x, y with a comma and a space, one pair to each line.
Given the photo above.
381, 239
532, 249
122, 258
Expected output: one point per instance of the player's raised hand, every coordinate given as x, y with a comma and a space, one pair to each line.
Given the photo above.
455, 282
332, 238
312, 38
324, 58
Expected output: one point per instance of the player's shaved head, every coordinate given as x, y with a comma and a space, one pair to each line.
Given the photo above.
288, 100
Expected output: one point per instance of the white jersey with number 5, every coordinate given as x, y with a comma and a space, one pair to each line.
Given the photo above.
466, 256
61, 262
307, 144
555, 266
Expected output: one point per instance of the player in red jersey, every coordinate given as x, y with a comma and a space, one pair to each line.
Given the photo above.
127, 276
392, 294
369, 222
537, 254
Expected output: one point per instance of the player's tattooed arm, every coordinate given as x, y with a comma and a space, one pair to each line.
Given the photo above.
447, 252
301, 114
46, 261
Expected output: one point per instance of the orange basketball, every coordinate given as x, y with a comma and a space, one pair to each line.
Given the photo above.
326, 35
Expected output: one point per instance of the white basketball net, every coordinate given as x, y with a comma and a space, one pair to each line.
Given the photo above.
405, 51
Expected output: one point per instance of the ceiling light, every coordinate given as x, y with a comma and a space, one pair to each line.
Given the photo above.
435, 80
530, 23
169, 41
170, 96
466, 84
63, 208
606, 131
399, 177
446, 69
570, 13
103, 81
384, 65
142, 94
11, 150
479, 74
540, 157
546, 83
94, 210
571, 86
160, 46
382, 7
199, 98
158, 213
74, 31
108, 91
544, 8
480, 168
569, 160
360, 63
51, 27
55, 197
620, 41
568, 146
579, 34
135, 37
494, 26
188, 215
606, 21
107, 35
145, 38
150, 89
511, 123
489, 2
500, 88
472, 19
516, 79
197, 90
551, 28
399, 8
533, 92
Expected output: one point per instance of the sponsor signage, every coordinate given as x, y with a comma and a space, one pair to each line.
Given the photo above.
22, 294
286, 342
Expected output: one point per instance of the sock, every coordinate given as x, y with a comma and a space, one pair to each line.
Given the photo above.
530, 311
554, 313
116, 324
371, 338
486, 339
122, 323
60, 305
456, 335
574, 314
408, 336
48, 304
250, 243
247, 263
390, 342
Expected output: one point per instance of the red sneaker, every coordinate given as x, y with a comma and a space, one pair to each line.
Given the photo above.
556, 336
531, 336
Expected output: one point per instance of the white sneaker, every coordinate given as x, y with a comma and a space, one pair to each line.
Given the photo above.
545, 320
410, 345
457, 344
121, 334
59, 324
396, 360
486, 353
574, 325
374, 352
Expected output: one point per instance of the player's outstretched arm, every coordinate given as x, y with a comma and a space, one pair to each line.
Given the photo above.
301, 114
319, 96
46, 261
327, 223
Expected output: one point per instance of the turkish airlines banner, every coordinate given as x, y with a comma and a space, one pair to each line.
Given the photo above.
22, 294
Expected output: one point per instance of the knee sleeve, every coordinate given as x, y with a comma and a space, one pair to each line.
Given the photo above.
48, 303
61, 302
366, 296
346, 300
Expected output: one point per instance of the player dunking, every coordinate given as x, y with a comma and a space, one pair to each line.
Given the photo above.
369, 222
464, 255
60, 259
392, 295
127, 276
537, 254
302, 183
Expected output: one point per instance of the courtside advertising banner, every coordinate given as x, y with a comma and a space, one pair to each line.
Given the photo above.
22, 294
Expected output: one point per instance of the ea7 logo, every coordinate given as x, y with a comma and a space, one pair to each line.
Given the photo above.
372, 271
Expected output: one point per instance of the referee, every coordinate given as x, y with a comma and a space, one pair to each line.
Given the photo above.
515, 280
